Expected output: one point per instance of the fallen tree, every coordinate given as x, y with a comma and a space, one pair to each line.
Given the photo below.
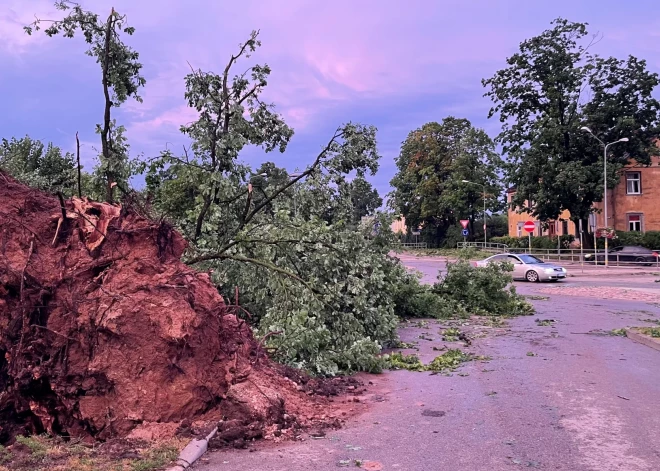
103, 328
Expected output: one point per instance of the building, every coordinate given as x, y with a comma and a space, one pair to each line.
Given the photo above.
632, 205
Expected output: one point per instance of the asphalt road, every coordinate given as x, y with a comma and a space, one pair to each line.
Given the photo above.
552, 398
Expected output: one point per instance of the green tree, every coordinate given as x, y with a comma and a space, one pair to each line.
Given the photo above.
551, 88
43, 167
433, 162
120, 77
317, 289
365, 199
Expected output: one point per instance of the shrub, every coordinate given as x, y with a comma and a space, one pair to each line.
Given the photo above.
544, 242
651, 240
482, 291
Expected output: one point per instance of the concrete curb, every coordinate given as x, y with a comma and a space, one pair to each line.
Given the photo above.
643, 339
192, 452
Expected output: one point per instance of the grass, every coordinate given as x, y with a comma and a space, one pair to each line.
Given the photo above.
618, 332
652, 331
43, 452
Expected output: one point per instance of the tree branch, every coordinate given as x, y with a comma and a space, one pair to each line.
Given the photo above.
279, 191
254, 261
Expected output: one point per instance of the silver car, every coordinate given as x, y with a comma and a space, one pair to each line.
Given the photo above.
528, 267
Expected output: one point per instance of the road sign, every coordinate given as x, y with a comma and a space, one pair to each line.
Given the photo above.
529, 226
464, 223
465, 232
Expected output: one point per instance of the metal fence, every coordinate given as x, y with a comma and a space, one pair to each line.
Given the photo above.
569, 256
414, 245
485, 246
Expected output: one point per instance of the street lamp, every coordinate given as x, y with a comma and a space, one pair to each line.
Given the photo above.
484, 187
623, 139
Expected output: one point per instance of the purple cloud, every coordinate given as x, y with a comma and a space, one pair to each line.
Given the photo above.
389, 63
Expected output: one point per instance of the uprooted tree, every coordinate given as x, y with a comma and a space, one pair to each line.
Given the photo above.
120, 77
314, 286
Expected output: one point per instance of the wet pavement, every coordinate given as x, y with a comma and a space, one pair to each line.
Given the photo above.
563, 396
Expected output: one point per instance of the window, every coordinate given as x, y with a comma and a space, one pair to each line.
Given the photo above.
564, 227
633, 183
530, 259
513, 259
519, 229
635, 222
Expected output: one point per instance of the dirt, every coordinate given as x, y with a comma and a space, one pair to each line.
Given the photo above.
104, 332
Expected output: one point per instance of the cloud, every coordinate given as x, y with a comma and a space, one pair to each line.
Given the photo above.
14, 16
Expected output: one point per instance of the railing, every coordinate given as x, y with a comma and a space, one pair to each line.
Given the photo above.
577, 256
414, 245
485, 246
566, 256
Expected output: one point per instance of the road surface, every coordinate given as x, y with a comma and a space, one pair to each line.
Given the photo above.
552, 397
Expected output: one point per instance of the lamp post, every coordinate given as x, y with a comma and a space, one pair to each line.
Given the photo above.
623, 139
484, 187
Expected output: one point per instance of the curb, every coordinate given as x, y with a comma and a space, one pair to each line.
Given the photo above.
192, 452
643, 339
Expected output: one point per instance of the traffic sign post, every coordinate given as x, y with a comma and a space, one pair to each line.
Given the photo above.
529, 226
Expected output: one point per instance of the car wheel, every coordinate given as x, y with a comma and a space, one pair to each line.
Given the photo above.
532, 276
640, 261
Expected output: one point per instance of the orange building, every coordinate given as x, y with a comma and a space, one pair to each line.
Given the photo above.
632, 205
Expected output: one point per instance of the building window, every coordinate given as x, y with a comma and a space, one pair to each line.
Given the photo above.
633, 183
519, 229
635, 222
564, 227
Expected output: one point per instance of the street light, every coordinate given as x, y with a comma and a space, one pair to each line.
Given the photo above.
623, 139
484, 187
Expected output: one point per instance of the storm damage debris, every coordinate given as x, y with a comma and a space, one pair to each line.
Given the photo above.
103, 329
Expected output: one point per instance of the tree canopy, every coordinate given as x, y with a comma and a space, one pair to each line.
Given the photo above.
120, 77
433, 162
551, 88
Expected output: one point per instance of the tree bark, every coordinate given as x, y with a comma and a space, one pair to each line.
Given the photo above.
105, 145
78, 158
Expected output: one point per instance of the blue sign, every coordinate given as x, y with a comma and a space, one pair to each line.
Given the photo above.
465, 232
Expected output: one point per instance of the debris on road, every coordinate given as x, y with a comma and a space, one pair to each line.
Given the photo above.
545, 322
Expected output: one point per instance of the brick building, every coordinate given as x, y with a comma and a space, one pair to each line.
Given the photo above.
632, 205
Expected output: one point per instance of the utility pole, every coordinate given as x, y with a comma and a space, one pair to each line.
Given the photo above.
623, 139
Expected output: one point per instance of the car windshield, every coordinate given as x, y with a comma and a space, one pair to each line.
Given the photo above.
530, 259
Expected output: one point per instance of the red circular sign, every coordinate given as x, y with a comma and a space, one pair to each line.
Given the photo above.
529, 226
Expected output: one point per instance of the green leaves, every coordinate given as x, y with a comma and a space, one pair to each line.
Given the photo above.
434, 160
43, 167
549, 89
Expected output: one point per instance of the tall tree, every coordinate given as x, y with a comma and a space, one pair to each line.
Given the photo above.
364, 198
120, 76
551, 88
434, 160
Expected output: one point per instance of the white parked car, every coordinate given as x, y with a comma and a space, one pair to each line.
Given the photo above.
528, 267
